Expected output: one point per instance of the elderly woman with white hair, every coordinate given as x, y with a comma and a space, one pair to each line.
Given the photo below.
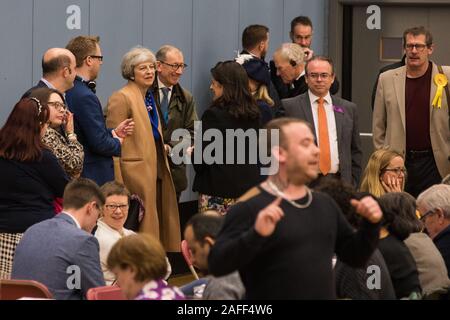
143, 167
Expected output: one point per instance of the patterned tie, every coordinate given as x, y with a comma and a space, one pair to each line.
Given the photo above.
324, 142
165, 104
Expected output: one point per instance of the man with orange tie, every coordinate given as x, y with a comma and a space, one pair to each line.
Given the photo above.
335, 122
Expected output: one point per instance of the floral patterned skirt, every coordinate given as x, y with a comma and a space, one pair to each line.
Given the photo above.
221, 205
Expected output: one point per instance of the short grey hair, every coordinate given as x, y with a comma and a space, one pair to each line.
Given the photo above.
291, 52
437, 196
134, 57
161, 54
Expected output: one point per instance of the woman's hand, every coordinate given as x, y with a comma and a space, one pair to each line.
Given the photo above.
392, 184
68, 122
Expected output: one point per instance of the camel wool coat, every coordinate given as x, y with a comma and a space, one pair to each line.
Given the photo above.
137, 167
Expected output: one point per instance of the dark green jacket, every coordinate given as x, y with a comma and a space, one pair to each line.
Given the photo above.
182, 114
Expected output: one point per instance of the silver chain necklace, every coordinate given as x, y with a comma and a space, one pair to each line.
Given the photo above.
295, 204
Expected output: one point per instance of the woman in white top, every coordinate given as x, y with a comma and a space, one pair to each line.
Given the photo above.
110, 226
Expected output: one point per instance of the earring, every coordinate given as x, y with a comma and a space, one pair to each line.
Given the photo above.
131, 78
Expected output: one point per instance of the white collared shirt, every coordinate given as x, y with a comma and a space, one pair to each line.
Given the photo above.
161, 94
301, 75
51, 86
73, 218
331, 121
47, 83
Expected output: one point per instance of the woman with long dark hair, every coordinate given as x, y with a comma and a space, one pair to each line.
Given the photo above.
221, 180
31, 176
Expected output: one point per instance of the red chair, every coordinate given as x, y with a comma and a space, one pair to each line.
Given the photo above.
187, 257
16, 289
105, 293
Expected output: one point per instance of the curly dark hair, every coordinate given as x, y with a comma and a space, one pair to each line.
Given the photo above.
342, 193
399, 214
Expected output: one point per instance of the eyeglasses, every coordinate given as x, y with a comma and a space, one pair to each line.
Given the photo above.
57, 105
96, 57
175, 66
114, 207
145, 67
397, 171
316, 76
422, 218
419, 46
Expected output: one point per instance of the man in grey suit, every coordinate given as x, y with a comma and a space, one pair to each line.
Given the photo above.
61, 252
334, 120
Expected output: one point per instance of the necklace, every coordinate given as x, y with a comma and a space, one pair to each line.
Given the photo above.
295, 204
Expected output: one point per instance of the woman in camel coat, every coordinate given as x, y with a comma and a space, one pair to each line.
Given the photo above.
143, 165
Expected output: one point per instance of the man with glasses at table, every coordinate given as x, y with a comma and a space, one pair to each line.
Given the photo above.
434, 207
176, 106
100, 143
334, 120
411, 113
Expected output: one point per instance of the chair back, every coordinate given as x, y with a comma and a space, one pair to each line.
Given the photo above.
16, 289
105, 293
187, 257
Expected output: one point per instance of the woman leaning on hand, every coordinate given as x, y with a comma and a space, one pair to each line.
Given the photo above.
143, 167
385, 172
60, 137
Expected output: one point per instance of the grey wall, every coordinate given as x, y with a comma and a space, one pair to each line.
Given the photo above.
206, 30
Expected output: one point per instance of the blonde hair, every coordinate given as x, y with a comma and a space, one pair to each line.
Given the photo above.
263, 94
378, 161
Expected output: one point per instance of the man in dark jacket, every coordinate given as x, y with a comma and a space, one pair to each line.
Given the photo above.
100, 143
176, 107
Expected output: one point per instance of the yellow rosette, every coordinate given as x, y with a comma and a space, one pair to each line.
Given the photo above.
441, 81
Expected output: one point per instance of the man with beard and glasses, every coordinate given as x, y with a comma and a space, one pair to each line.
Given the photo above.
281, 236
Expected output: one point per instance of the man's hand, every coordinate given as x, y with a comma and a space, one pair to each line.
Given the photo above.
125, 128
167, 148
308, 54
267, 218
368, 208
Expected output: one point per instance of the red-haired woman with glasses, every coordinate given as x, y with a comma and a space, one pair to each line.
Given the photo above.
31, 176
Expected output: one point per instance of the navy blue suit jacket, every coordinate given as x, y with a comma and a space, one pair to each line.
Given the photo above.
40, 84
98, 142
47, 251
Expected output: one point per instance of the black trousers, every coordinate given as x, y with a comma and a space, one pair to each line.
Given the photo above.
422, 172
